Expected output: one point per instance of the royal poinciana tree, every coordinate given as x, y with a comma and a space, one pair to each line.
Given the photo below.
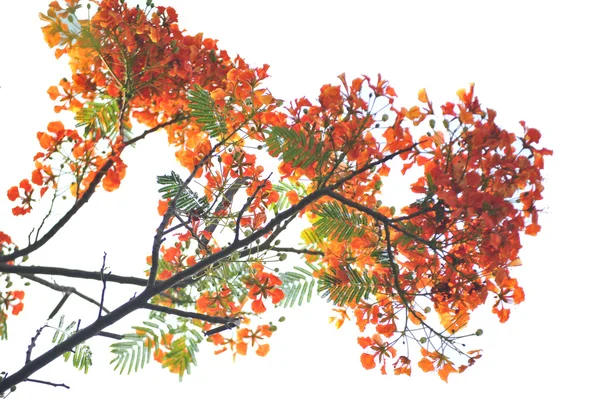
408, 275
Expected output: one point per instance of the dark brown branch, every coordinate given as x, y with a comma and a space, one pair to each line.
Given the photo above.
110, 335
298, 251
85, 197
177, 119
29, 271
191, 315
140, 301
436, 207
160, 231
226, 326
65, 289
377, 216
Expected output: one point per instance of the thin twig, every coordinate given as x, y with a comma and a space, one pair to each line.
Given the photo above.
377, 216
61, 288
102, 275
85, 197
48, 383
59, 305
176, 119
298, 251
32, 344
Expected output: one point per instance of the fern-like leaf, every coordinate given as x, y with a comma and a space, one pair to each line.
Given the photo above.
203, 108
282, 188
232, 273
102, 116
82, 359
295, 147
337, 222
183, 354
298, 285
359, 286
82, 355
188, 199
134, 350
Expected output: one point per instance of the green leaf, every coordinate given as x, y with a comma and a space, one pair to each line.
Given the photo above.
297, 286
337, 222
203, 108
102, 116
358, 287
188, 199
294, 147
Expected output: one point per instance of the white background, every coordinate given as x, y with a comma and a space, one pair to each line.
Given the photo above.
532, 61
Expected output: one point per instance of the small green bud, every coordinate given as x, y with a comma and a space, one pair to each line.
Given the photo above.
282, 257
427, 309
282, 319
423, 340
277, 242
446, 123
273, 328
432, 123
384, 117
479, 332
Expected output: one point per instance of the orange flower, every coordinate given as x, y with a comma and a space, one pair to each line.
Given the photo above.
292, 197
13, 193
163, 205
382, 351
13, 299
263, 285
402, 366
437, 361
263, 350
367, 361
5, 238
